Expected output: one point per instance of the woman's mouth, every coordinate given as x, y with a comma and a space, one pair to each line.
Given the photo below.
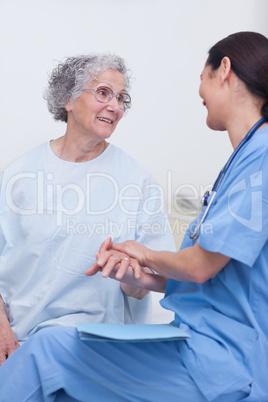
105, 120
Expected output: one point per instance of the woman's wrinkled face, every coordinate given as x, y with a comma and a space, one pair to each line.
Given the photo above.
89, 117
210, 91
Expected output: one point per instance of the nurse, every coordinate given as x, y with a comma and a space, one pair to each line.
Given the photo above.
216, 284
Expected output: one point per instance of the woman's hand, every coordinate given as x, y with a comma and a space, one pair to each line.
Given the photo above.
119, 266
113, 263
135, 280
8, 341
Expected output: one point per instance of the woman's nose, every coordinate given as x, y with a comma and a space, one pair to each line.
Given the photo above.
113, 103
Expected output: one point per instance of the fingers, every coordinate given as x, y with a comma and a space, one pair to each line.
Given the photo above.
111, 264
124, 264
120, 247
12, 350
129, 247
118, 262
106, 245
136, 268
3, 357
103, 257
114, 264
133, 249
7, 350
117, 268
92, 270
107, 259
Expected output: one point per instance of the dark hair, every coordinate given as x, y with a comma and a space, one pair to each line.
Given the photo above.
248, 53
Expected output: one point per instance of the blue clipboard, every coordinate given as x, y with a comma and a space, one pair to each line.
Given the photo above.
130, 333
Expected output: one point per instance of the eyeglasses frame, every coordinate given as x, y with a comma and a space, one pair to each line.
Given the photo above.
125, 104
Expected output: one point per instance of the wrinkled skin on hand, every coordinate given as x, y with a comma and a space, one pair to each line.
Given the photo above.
8, 341
114, 264
136, 280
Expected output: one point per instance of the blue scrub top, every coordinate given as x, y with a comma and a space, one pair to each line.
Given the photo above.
227, 315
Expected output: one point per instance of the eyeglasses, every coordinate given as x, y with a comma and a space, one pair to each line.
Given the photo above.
105, 95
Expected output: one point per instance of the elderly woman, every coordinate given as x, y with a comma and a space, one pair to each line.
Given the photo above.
216, 284
61, 200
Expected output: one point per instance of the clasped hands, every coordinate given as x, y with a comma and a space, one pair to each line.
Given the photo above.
118, 261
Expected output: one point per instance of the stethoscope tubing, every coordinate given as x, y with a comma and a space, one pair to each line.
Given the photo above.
220, 177
195, 234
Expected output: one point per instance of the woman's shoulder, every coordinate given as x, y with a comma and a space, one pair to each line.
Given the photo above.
27, 161
128, 161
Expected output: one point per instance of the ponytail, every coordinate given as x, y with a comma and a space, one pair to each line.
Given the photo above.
248, 53
264, 110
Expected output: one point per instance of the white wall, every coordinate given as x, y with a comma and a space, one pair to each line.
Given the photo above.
164, 42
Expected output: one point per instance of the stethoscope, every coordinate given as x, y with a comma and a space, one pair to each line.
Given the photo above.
220, 178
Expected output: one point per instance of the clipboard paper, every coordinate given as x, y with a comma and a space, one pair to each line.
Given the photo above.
130, 333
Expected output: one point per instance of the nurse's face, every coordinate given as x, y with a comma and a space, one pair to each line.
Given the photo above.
210, 91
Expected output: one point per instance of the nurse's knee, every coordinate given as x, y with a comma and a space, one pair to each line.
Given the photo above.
52, 335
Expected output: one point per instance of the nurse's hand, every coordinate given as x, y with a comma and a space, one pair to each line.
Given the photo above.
133, 249
119, 266
137, 286
136, 281
8, 340
114, 264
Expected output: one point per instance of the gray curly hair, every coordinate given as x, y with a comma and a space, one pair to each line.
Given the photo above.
69, 78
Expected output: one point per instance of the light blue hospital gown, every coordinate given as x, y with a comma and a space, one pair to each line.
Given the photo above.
226, 358
54, 215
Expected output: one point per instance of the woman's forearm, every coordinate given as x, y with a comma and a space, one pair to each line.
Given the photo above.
3, 314
147, 282
8, 340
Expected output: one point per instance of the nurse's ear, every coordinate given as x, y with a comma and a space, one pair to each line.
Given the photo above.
225, 69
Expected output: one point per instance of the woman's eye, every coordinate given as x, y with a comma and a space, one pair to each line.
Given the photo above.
103, 91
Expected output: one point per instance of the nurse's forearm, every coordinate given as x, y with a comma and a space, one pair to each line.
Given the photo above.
193, 264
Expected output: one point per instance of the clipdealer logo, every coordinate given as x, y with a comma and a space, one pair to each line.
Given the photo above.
47, 197
254, 208
68, 200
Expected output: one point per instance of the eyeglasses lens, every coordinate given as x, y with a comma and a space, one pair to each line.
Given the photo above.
104, 95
